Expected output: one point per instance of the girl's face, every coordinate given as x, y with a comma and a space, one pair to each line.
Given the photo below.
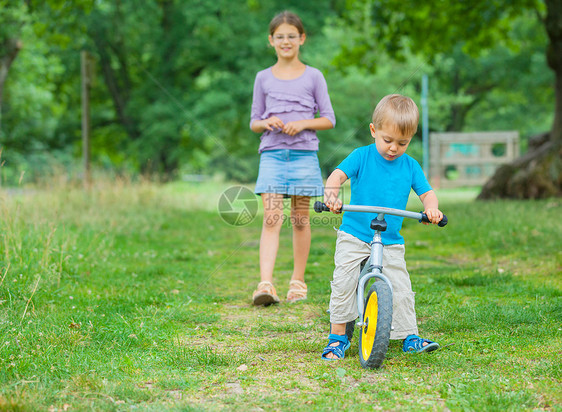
287, 41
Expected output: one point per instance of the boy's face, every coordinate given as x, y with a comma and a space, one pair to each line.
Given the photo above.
391, 144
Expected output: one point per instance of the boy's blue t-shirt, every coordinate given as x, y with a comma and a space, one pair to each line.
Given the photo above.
376, 181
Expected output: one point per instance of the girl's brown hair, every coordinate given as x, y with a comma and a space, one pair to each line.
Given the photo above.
286, 17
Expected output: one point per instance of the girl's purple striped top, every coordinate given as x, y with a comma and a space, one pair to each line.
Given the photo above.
290, 100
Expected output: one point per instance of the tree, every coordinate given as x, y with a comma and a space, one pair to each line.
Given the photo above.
538, 174
180, 73
12, 20
174, 78
431, 28
38, 99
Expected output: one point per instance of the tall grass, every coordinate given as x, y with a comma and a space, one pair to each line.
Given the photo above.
136, 295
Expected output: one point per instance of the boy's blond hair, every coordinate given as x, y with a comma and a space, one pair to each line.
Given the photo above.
398, 110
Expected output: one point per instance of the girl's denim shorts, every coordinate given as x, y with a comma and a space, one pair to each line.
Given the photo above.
290, 172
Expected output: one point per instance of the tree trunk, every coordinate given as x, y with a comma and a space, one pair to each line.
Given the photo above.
553, 24
538, 174
118, 84
110, 48
12, 48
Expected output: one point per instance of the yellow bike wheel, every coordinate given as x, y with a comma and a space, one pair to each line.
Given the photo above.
368, 331
377, 320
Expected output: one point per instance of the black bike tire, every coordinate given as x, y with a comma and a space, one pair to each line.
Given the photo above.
384, 323
349, 329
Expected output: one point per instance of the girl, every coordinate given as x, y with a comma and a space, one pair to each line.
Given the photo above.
287, 96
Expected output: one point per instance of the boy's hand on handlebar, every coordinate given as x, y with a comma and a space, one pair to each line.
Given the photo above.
434, 215
335, 205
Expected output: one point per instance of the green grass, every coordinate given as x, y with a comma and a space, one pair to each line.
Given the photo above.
138, 297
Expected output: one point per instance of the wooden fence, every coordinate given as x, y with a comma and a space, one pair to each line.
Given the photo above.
469, 159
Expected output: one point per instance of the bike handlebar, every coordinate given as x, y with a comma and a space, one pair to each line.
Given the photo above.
442, 223
320, 207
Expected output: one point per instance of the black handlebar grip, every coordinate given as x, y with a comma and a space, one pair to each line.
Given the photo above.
443, 222
320, 207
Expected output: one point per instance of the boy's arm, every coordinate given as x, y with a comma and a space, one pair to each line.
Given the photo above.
431, 206
332, 190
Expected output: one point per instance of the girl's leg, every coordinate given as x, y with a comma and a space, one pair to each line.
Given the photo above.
300, 220
269, 241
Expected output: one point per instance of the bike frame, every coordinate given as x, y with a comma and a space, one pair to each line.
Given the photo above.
373, 265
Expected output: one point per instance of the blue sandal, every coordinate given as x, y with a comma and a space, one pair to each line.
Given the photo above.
339, 350
414, 343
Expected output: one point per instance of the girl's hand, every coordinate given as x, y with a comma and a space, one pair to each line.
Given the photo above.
434, 215
273, 123
292, 128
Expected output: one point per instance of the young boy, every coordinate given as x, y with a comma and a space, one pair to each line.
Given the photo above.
381, 175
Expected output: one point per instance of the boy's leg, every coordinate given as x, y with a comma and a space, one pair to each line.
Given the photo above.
300, 220
350, 252
335, 329
403, 308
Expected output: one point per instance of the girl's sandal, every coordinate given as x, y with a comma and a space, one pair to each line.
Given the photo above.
297, 291
343, 344
265, 294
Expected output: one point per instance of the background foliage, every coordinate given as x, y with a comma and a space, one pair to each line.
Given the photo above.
173, 79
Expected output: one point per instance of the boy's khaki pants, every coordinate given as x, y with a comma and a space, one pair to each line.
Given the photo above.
350, 252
